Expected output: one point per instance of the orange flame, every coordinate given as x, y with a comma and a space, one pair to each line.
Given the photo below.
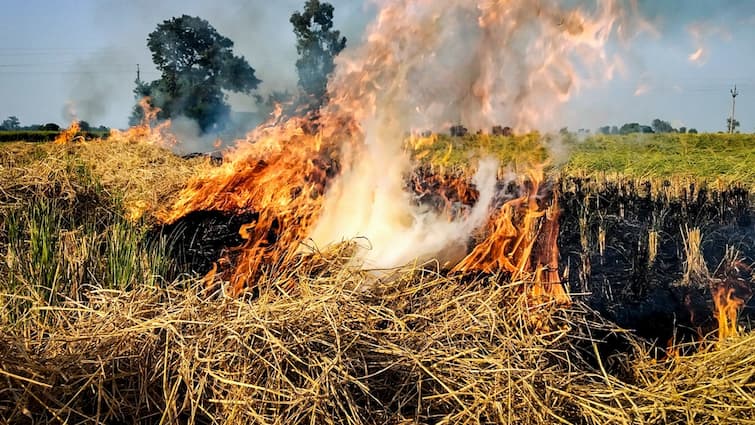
343, 175
149, 130
522, 240
727, 308
280, 177
69, 135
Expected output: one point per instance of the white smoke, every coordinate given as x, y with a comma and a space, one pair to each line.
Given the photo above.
426, 64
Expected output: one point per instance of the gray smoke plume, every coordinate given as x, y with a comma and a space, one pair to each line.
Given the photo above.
260, 30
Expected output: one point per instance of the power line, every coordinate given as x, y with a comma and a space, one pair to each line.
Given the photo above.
30, 73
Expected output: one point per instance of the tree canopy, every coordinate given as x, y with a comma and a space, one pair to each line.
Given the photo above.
660, 126
317, 44
11, 123
196, 64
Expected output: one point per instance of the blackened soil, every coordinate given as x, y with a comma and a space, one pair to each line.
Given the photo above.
605, 243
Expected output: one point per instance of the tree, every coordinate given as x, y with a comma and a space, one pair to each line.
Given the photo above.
317, 44
605, 130
660, 126
630, 128
731, 128
51, 126
682, 130
11, 123
614, 130
196, 64
692, 131
85, 126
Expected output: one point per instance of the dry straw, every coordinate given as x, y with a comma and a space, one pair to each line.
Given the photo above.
347, 348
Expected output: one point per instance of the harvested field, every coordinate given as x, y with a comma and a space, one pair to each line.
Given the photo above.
111, 325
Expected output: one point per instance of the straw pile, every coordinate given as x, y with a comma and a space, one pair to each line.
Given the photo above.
346, 348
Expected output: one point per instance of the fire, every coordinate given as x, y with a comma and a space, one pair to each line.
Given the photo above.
280, 177
727, 308
316, 182
731, 290
522, 238
697, 55
68, 135
150, 130
701, 33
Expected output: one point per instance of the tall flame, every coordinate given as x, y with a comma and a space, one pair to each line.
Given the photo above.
423, 63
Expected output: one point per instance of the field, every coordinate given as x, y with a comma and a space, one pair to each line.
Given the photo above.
42, 135
101, 320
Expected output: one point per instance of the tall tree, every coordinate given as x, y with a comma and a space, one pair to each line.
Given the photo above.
317, 44
11, 123
196, 64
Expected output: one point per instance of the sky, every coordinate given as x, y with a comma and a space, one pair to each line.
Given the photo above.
66, 58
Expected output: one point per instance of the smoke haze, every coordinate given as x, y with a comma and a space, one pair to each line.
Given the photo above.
424, 64
91, 47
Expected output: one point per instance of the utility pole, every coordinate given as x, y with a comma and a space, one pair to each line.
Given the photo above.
734, 94
138, 74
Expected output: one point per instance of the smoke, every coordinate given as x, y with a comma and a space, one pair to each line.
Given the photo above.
674, 17
701, 33
425, 64
260, 30
93, 82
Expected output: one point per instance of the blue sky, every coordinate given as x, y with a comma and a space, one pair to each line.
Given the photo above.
80, 55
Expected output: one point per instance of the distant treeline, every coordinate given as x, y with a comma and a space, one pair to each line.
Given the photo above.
44, 136
657, 126
12, 123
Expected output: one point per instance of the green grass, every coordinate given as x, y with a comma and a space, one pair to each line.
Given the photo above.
696, 157
64, 232
704, 159
517, 152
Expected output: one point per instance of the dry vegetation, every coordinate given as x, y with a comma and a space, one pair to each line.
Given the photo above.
90, 332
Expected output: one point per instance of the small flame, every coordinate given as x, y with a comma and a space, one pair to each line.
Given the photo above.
641, 89
150, 130
69, 135
701, 33
727, 308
